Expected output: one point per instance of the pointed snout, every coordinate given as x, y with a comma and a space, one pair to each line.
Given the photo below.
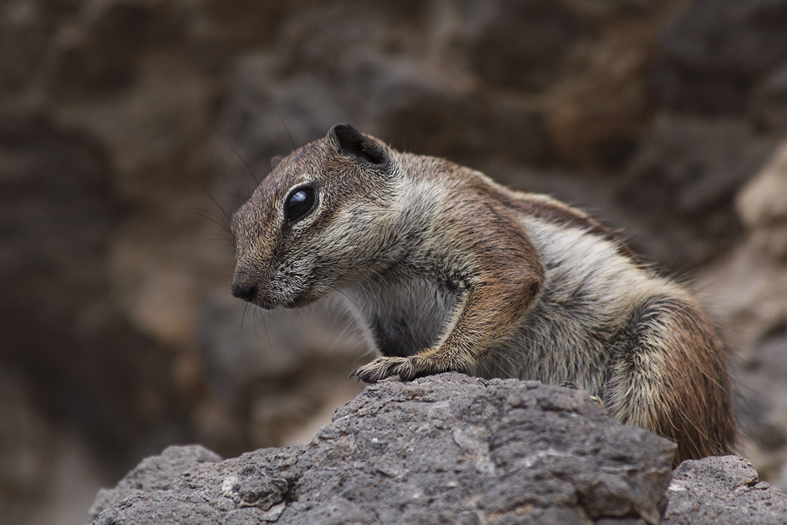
244, 290
252, 283
245, 284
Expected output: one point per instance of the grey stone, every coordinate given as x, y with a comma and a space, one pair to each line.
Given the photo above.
155, 473
443, 448
722, 490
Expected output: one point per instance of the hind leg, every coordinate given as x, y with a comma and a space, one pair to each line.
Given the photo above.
668, 374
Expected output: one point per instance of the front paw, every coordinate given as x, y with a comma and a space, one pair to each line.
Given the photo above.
407, 368
383, 367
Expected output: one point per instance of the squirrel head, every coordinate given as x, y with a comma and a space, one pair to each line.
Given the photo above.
319, 220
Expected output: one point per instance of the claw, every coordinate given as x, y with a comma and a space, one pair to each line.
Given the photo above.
599, 401
385, 367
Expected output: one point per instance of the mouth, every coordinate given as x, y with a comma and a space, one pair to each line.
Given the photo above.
269, 296
302, 299
263, 305
266, 303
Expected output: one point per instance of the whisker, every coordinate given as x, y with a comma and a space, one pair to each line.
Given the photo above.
204, 215
285, 129
200, 186
238, 156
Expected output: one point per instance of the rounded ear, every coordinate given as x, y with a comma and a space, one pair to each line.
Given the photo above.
276, 160
353, 144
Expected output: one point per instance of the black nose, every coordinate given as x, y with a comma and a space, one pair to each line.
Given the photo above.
247, 292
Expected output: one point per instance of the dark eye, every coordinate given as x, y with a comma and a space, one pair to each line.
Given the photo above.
299, 203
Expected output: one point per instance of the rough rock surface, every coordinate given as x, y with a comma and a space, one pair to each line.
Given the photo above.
713, 53
692, 167
750, 286
720, 491
446, 448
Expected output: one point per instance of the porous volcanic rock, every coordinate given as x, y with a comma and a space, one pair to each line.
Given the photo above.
446, 448
722, 490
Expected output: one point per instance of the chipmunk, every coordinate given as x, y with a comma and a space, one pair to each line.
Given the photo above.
446, 270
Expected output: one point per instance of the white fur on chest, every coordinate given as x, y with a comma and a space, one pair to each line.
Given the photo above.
410, 312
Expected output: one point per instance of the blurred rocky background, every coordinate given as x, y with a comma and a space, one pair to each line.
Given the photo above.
129, 128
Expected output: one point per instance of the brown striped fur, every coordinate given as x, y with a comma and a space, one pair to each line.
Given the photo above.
445, 270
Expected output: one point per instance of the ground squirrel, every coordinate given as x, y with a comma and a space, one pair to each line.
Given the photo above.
446, 270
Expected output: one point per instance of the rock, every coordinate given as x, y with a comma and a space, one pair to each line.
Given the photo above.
517, 44
684, 180
231, 24
762, 204
27, 447
436, 113
272, 370
58, 213
749, 286
722, 490
714, 52
25, 30
769, 102
46, 473
154, 474
441, 448
268, 112
404, 99
105, 55
763, 400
